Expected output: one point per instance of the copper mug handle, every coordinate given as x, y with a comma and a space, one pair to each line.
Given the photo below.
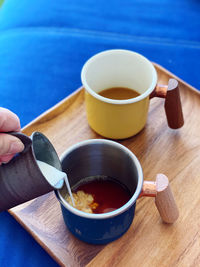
164, 199
173, 107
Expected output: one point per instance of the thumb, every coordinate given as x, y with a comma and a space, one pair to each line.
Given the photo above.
10, 144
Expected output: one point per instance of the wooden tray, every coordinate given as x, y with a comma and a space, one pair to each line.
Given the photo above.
148, 242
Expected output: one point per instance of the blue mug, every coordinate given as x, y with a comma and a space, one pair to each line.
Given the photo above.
96, 157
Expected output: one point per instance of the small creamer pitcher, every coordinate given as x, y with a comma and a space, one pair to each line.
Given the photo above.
22, 179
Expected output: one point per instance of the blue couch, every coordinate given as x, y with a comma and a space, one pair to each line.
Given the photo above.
43, 45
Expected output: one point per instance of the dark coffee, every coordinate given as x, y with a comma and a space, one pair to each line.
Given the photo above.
108, 194
119, 93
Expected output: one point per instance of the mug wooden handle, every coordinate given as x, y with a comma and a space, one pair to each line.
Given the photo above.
164, 198
173, 107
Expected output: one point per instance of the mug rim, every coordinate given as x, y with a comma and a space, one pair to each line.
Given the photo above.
118, 211
115, 101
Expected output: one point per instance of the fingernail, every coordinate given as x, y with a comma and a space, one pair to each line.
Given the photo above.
16, 147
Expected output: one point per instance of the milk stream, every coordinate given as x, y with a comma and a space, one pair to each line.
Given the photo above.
69, 189
55, 177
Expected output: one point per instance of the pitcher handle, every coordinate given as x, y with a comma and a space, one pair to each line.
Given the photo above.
24, 139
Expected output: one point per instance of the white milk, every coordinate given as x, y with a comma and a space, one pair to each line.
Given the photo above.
55, 177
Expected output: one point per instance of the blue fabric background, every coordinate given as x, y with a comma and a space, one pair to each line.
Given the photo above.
43, 45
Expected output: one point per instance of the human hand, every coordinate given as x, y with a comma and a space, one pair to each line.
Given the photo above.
9, 145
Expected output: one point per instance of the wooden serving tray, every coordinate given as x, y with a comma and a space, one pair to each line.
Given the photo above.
148, 242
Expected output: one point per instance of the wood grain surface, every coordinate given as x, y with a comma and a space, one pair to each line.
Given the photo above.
148, 242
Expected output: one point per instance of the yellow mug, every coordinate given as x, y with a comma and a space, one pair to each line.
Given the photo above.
111, 118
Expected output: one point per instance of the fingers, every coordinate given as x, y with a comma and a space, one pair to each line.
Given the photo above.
8, 121
5, 159
9, 145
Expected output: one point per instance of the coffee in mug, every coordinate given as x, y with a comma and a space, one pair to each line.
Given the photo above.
120, 93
